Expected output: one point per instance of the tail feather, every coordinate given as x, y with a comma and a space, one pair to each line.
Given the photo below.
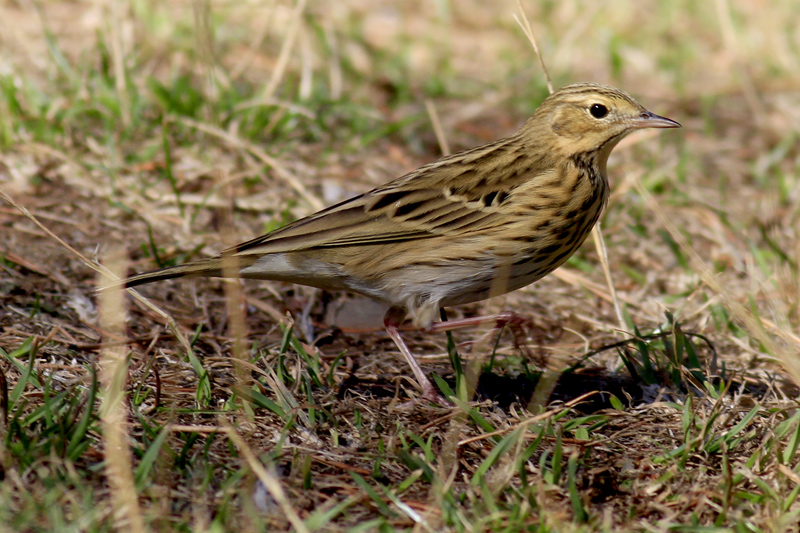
208, 268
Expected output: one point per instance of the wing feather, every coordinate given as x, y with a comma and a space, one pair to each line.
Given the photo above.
419, 205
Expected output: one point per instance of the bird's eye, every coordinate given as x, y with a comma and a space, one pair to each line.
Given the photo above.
598, 110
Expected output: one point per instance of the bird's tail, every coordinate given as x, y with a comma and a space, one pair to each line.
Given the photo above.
210, 268
207, 268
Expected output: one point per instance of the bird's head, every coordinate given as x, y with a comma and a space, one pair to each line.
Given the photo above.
585, 117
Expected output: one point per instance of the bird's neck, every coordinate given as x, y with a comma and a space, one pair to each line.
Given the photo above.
602, 155
592, 166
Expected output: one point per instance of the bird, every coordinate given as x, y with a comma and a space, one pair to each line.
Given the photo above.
481, 222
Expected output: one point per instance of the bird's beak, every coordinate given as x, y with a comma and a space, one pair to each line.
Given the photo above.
651, 120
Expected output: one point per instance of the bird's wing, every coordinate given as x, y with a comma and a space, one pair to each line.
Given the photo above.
453, 196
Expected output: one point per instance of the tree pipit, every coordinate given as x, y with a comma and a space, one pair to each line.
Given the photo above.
471, 225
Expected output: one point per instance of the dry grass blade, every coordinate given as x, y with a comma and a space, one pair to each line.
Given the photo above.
113, 411
525, 24
286, 49
597, 234
94, 266
100, 269
437, 127
273, 163
234, 299
727, 28
530, 420
788, 355
270, 482
602, 253
116, 35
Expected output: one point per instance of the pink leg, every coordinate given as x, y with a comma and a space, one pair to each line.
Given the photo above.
511, 319
503, 319
394, 317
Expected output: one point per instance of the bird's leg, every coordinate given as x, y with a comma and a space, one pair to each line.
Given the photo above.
394, 317
503, 319
515, 322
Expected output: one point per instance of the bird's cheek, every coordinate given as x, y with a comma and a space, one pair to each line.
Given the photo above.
563, 129
566, 125
559, 123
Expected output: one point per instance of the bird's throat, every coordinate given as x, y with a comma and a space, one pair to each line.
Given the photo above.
602, 153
